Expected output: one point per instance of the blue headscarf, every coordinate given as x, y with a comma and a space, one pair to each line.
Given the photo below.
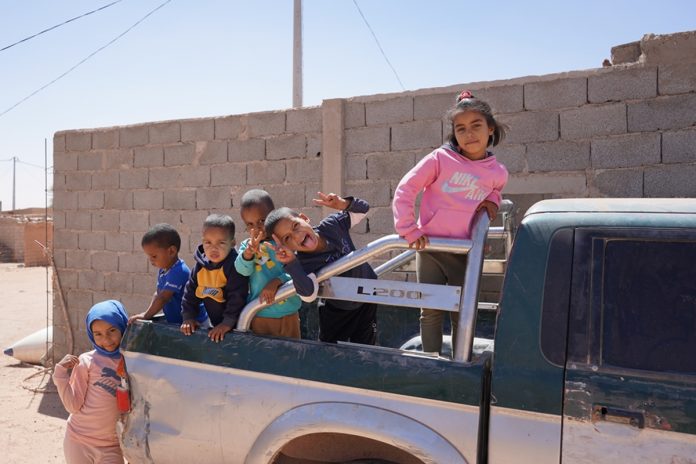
110, 311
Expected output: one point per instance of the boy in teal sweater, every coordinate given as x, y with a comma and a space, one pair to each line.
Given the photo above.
266, 273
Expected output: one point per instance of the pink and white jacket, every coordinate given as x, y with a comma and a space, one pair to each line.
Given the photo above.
453, 186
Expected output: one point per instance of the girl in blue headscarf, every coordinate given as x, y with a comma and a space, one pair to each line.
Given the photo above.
89, 392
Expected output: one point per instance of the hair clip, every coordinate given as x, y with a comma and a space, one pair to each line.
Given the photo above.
463, 95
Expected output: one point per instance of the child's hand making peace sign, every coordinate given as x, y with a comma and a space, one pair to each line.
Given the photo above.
283, 254
255, 237
332, 201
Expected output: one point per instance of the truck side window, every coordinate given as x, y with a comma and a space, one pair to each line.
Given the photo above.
648, 304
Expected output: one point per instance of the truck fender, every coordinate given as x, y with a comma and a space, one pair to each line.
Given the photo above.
353, 419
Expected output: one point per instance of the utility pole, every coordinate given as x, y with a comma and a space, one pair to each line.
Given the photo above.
297, 56
14, 167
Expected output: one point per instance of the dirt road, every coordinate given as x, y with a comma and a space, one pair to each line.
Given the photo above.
32, 424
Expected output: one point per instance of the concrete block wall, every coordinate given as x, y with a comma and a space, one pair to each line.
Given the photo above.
11, 240
627, 130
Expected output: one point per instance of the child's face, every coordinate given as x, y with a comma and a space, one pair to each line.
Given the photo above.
472, 132
254, 217
296, 234
105, 335
161, 258
217, 243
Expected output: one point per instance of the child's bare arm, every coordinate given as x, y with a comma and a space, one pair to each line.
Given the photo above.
268, 293
159, 299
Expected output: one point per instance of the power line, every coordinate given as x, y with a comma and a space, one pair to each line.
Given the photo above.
378, 44
58, 25
30, 164
85, 59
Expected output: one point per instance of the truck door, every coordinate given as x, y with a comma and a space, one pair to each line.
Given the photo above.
630, 386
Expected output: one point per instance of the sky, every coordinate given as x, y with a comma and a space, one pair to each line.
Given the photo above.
208, 58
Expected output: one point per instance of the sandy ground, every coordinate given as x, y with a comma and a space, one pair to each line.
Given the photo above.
32, 424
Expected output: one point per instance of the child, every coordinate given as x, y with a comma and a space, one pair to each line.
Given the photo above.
457, 180
265, 272
161, 244
89, 393
214, 281
316, 247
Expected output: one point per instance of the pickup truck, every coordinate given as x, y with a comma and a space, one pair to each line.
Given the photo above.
593, 359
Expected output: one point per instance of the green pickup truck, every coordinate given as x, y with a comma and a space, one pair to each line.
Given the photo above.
593, 359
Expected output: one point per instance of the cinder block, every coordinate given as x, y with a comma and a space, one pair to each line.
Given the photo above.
144, 284
398, 109
172, 218
503, 99
180, 199
58, 143
389, 165
217, 198
133, 178
679, 146
90, 200
380, 221
78, 141
354, 114
299, 171
78, 180
135, 262
367, 140
677, 78
228, 127
118, 241
668, 48
78, 259
530, 126
304, 120
78, 220
512, 156
64, 239
356, 167
626, 150
562, 185
183, 176
148, 157
105, 139
78, 302
135, 303
424, 135
90, 280
617, 183
376, 193
625, 53
560, 93
118, 199
105, 180
265, 172
179, 154
148, 199
432, 106
286, 146
59, 181
246, 150
119, 282
228, 174
311, 190
105, 220
662, 113
90, 161
314, 142
192, 224
594, 121
91, 241
63, 200
133, 136
134, 221
166, 132
268, 123
197, 130
59, 220
68, 278
292, 196
118, 159
213, 152
59, 257
558, 156
64, 161
618, 84
674, 180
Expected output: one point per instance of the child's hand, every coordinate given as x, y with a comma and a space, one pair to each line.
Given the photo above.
269, 291
420, 243
136, 317
491, 208
189, 326
218, 332
332, 201
283, 254
255, 237
69, 361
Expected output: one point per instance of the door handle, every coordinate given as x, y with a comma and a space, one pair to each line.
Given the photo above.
618, 415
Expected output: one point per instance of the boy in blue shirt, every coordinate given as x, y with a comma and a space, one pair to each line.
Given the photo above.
161, 245
304, 250
266, 273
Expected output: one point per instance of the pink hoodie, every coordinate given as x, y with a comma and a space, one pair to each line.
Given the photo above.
453, 186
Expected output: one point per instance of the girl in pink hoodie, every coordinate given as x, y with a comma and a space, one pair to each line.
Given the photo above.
457, 180
89, 392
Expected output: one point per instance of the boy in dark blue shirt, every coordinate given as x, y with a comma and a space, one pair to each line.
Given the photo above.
304, 250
